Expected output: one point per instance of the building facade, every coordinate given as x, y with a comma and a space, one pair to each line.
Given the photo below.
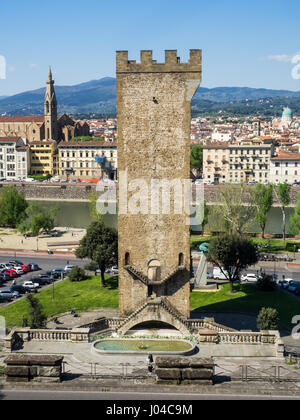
91, 159
248, 161
285, 167
14, 158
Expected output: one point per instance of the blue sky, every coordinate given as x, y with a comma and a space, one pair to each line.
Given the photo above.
244, 43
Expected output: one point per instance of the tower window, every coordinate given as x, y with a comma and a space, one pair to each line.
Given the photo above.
127, 258
180, 260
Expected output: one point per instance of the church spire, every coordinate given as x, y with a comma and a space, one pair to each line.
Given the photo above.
50, 109
50, 74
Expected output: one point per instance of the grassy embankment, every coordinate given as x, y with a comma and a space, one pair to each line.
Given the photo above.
88, 295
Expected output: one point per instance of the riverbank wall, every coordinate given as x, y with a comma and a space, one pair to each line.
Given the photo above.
81, 192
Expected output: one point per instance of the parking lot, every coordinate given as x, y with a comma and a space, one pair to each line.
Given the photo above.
45, 264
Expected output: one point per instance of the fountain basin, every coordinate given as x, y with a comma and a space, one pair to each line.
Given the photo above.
143, 346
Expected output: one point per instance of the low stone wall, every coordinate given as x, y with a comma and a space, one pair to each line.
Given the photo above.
20, 335
183, 370
53, 191
26, 368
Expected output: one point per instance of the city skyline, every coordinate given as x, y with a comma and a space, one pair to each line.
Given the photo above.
244, 44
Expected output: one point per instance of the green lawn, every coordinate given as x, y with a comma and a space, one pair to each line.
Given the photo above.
247, 300
273, 245
80, 296
89, 295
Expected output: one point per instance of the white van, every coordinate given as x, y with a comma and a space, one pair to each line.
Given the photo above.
218, 274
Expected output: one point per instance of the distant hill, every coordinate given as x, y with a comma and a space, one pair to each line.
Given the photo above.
99, 96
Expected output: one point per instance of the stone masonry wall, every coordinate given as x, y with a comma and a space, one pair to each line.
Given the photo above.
153, 103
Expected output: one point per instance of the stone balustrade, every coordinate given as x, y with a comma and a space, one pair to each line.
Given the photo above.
78, 335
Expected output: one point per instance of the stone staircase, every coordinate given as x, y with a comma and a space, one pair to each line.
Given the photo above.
178, 320
146, 280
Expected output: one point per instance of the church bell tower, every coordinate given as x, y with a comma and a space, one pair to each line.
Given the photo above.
50, 110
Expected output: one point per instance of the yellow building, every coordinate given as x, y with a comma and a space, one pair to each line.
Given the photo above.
43, 157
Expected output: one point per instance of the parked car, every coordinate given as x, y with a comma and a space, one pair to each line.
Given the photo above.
15, 263
4, 277
18, 270
5, 297
41, 281
34, 267
6, 266
249, 278
297, 291
218, 274
68, 268
12, 273
115, 270
9, 293
22, 290
293, 286
286, 283
59, 272
32, 286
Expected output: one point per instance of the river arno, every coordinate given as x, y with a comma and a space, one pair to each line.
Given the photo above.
76, 214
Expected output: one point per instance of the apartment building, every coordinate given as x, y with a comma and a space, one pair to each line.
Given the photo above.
285, 167
248, 161
43, 156
14, 158
90, 159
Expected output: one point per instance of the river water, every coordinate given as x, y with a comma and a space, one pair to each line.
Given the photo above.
77, 215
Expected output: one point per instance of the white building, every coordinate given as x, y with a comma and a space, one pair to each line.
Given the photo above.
222, 136
285, 167
14, 158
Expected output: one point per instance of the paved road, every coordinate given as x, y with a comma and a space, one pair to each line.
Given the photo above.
22, 395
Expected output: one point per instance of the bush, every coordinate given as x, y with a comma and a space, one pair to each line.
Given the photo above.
92, 266
37, 317
77, 274
266, 284
268, 319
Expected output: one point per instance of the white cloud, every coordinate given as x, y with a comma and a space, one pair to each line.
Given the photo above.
285, 58
281, 58
32, 66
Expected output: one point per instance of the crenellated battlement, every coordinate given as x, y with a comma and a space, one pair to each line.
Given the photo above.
148, 65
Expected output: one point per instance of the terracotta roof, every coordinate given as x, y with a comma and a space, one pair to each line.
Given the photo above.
23, 118
9, 139
216, 145
86, 144
287, 156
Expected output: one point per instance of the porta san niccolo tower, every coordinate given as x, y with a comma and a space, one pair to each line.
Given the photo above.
154, 116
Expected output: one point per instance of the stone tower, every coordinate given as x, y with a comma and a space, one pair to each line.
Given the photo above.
154, 116
50, 110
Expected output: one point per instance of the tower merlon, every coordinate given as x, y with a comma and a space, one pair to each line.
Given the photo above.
148, 65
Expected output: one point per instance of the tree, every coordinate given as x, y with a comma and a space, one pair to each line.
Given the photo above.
266, 283
232, 253
197, 158
93, 198
38, 219
295, 219
263, 199
236, 210
268, 319
37, 317
100, 244
284, 199
12, 207
77, 274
